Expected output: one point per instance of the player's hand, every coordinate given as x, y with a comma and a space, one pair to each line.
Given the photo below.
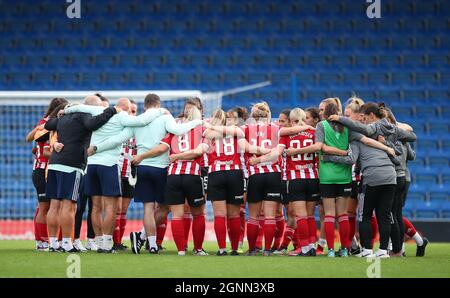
58, 147
290, 151
173, 158
61, 113
333, 118
381, 139
118, 110
391, 152
307, 127
264, 151
40, 127
136, 160
254, 160
90, 151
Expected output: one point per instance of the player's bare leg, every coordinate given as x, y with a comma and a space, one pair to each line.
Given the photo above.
96, 216
67, 221
53, 224
108, 224
150, 226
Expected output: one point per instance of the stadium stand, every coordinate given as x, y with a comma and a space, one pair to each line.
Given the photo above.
330, 48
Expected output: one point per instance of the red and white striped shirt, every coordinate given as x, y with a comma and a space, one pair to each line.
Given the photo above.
126, 156
40, 161
224, 154
355, 176
265, 136
183, 143
300, 166
244, 159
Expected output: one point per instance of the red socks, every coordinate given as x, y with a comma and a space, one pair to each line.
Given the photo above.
288, 234
42, 230
269, 232
260, 233
116, 234
281, 224
329, 230
312, 228
344, 230
374, 225
187, 220
302, 231
221, 231
352, 227
198, 231
161, 231
178, 233
234, 230
252, 232
242, 219
410, 230
121, 222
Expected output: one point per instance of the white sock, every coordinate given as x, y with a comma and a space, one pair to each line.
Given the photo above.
38, 243
311, 246
418, 239
67, 243
152, 242
305, 249
99, 242
54, 242
381, 252
322, 242
143, 234
390, 245
182, 253
107, 242
403, 247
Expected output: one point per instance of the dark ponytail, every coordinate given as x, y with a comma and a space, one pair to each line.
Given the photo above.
379, 110
333, 109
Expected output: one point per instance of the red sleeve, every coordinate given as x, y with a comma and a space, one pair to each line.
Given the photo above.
284, 140
167, 140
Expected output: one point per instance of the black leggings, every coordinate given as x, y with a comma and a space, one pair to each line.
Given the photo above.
79, 217
397, 227
378, 198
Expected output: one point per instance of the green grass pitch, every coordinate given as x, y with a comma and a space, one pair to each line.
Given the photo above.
18, 259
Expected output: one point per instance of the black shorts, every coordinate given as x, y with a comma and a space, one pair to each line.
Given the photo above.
226, 186
335, 190
284, 192
264, 187
204, 176
356, 190
127, 189
39, 183
184, 187
303, 190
